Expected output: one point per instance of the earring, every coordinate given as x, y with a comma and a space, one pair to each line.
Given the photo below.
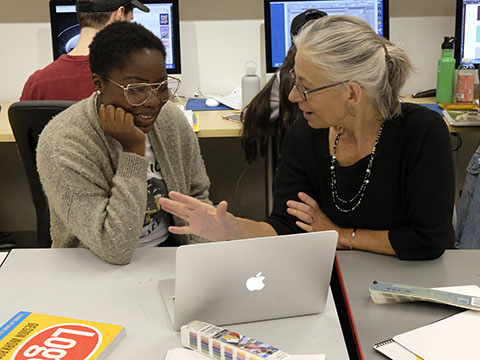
98, 92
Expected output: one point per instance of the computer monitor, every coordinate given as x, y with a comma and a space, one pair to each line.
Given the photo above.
467, 31
280, 13
163, 20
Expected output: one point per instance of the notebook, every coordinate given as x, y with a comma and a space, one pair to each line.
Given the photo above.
247, 280
455, 337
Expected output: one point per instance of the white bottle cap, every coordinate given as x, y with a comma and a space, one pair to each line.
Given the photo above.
250, 68
466, 60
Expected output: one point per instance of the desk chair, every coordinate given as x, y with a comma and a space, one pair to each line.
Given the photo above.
27, 119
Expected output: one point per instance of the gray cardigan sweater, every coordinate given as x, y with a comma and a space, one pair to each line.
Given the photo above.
97, 193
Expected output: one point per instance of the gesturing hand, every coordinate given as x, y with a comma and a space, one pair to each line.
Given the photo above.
205, 220
119, 124
311, 217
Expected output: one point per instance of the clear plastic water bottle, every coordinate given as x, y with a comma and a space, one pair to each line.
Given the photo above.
250, 83
465, 81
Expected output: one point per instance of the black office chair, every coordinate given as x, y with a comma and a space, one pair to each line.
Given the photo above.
27, 119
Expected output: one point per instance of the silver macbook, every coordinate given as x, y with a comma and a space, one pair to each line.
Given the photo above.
247, 280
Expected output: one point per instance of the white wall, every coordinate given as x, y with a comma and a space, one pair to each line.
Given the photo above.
214, 52
25, 48
421, 38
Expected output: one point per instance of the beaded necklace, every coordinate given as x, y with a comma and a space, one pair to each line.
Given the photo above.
343, 205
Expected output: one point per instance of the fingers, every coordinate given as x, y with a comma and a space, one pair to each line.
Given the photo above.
123, 118
175, 208
295, 205
301, 215
110, 115
102, 115
114, 117
183, 205
183, 230
308, 200
189, 201
304, 226
222, 209
129, 118
107, 117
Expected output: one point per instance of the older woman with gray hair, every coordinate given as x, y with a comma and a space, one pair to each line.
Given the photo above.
376, 170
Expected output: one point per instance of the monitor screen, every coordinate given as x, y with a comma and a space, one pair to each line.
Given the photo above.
162, 20
280, 13
467, 31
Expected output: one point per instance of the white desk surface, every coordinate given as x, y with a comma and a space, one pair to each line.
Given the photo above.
75, 283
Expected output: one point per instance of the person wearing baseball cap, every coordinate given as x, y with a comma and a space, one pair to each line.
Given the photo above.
69, 77
301, 19
107, 5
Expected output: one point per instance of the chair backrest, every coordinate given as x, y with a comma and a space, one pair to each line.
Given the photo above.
27, 119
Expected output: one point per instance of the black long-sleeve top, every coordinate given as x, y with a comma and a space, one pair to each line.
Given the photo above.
411, 188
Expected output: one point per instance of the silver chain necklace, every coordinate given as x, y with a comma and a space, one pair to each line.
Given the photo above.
343, 205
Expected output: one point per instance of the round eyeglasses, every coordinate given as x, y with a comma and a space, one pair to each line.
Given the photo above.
139, 93
303, 92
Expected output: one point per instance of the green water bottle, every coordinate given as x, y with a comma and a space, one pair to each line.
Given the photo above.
446, 72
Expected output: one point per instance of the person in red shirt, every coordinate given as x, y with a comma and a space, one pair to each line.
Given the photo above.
69, 77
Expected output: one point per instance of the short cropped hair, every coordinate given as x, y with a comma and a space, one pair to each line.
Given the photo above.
346, 48
97, 20
113, 46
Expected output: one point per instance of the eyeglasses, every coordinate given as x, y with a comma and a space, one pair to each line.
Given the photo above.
301, 90
138, 94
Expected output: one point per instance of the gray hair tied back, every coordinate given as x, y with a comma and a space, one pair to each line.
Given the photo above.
346, 48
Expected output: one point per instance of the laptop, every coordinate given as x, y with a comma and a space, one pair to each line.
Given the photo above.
239, 281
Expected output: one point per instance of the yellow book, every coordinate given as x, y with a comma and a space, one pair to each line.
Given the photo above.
457, 106
30, 335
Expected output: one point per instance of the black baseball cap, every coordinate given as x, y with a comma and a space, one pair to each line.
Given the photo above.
304, 17
107, 5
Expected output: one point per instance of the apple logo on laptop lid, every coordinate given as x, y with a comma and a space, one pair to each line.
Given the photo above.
255, 283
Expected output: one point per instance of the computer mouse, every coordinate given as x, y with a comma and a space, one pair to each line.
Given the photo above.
210, 102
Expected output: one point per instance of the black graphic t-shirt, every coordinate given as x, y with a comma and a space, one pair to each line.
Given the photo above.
155, 225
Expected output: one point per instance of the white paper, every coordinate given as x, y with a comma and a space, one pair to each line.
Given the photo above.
189, 116
233, 100
186, 354
455, 337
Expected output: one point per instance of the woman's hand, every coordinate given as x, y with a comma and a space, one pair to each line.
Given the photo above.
311, 217
119, 124
205, 220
